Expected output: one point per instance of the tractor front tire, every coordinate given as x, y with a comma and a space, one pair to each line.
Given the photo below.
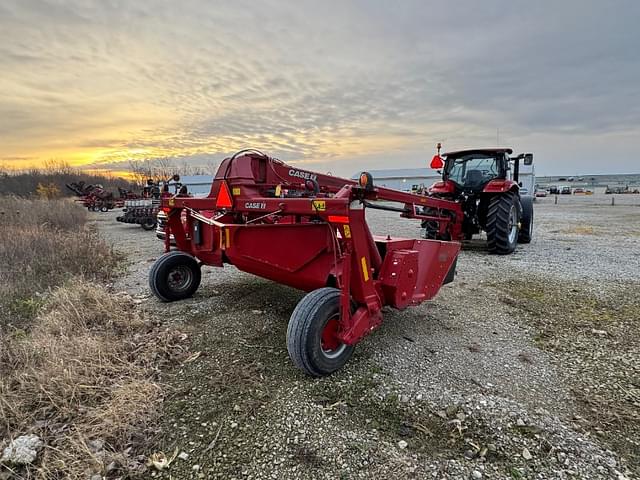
526, 221
503, 216
311, 334
175, 276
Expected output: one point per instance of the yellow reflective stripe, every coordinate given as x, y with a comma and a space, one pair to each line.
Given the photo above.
365, 269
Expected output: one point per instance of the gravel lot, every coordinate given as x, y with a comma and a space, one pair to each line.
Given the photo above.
527, 366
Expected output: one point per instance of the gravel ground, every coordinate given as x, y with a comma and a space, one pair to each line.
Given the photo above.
500, 376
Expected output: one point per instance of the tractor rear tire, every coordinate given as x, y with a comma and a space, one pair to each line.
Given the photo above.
502, 223
311, 340
526, 222
175, 276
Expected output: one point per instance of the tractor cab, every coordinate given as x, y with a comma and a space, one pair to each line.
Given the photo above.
475, 171
471, 171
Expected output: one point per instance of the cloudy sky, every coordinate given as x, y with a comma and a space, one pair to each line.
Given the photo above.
334, 86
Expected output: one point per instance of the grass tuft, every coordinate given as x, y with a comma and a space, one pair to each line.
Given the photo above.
43, 243
84, 373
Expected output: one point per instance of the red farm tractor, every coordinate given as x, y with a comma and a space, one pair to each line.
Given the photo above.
308, 231
485, 183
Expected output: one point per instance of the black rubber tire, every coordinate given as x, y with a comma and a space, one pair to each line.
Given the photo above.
305, 330
104, 209
526, 221
501, 208
159, 281
148, 224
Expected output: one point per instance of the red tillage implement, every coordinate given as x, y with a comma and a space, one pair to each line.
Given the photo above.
308, 230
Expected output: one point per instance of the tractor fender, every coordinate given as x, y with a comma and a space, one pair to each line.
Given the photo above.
500, 186
442, 187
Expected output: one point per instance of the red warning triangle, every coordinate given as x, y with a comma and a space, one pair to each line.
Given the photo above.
224, 199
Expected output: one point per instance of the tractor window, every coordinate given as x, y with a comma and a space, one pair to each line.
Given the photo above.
473, 170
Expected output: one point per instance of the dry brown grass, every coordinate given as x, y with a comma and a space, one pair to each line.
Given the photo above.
85, 375
42, 244
580, 230
78, 365
55, 214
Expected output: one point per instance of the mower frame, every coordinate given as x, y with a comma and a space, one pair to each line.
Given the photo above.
309, 231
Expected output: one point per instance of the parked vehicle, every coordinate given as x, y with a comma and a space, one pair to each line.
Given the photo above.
95, 198
619, 189
486, 182
565, 190
143, 211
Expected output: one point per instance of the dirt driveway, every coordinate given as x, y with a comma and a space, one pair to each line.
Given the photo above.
527, 366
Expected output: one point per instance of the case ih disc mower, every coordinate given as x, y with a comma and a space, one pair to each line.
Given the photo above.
485, 182
308, 231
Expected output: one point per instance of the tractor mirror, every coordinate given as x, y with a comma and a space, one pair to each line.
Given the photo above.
436, 162
528, 158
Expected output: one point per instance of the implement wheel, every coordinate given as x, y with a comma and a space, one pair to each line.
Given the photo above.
312, 339
148, 224
502, 227
174, 276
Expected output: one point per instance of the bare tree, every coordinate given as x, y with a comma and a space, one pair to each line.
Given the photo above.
60, 167
164, 167
212, 167
4, 170
141, 171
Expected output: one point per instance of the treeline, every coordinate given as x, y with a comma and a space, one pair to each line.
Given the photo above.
50, 181
34, 182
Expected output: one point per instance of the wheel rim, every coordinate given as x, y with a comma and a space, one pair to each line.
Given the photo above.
513, 224
180, 278
329, 341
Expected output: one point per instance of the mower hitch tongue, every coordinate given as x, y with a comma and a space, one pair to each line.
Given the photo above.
308, 230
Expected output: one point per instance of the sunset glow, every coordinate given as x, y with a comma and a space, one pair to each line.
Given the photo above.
341, 88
